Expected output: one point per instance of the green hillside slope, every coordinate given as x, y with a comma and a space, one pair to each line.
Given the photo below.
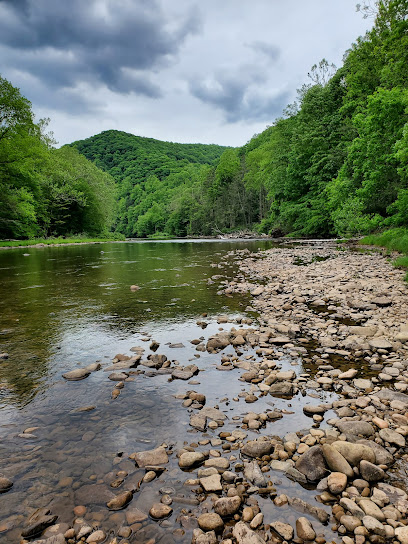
151, 175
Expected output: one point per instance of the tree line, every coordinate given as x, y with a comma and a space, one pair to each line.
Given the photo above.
334, 164
46, 191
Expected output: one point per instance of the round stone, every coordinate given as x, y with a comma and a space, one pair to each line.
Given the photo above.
160, 510
211, 522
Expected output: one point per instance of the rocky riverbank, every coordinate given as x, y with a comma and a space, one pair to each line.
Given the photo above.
329, 346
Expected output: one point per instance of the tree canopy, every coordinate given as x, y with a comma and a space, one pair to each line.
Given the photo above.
46, 191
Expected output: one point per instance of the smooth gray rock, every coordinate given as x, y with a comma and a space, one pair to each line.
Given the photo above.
382, 456
312, 464
356, 428
257, 448
77, 374
253, 474
370, 472
388, 435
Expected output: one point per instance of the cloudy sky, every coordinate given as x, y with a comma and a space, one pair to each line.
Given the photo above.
180, 70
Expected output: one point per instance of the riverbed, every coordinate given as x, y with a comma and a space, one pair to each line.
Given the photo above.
63, 442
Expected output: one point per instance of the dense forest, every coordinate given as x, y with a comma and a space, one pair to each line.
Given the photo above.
153, 179
46, 191
335, 163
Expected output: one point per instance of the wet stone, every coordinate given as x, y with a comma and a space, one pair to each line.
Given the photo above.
190, 459
211, 483
120, 501
257, 448
160, 510
245, 535
304, 529
227, 506
77, 374
5, 484
370, 472
211, 522
37, 522
154, 457
312, 464
284, 530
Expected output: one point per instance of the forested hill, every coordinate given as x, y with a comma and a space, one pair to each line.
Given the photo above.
335, 163
150, 174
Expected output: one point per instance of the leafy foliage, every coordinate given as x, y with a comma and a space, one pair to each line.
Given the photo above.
45, 191
335, 163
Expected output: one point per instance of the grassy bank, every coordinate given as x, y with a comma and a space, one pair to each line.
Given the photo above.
394, 240
59, 241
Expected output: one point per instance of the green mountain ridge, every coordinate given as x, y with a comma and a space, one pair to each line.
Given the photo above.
149, 174
334, 164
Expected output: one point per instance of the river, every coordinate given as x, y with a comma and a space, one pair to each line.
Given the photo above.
66, 444
72, 305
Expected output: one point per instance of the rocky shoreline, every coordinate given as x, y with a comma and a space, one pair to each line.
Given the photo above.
331, 336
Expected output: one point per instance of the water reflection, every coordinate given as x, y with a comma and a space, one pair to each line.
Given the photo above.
70, 302
65, 306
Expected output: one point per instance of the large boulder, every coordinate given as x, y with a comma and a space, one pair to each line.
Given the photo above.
354, 453
312, 464
356, 428
155, 457
257, 448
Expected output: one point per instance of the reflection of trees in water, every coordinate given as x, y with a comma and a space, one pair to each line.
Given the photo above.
74, 292
32, 318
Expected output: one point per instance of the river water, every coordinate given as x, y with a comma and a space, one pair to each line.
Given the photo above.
69, 306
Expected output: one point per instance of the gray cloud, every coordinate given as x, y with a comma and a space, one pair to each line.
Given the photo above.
238, 94
273, 52
101, 42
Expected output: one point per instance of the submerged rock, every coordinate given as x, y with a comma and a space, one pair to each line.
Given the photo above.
77, 374
120, 501
37, 522
160, 511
